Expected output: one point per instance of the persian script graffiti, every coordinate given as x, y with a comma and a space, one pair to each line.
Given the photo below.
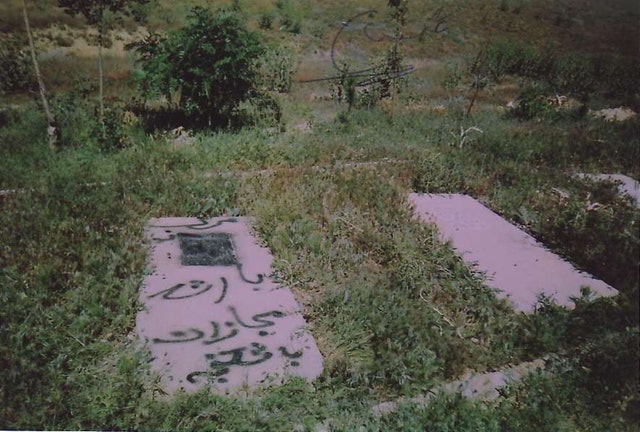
191, 289
258, 321
219, 365
206, 324
261, 325
200, 226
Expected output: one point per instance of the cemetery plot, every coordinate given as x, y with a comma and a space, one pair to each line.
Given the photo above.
213, 316
514, 262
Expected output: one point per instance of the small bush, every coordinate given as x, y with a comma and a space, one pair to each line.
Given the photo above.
290, 21
290, 24
79, 121
64, 40
212, 64
578, 74
598, 229
278, 68
453, 76
531, 104
16, 72
266, 21
574, 74
9, 116
76, 115
112, 134
261, 110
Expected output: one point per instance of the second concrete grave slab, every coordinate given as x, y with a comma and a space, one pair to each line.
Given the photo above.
515, 264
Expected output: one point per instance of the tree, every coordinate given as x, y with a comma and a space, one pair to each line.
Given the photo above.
209, 67
399, 10
53, 131
100, 13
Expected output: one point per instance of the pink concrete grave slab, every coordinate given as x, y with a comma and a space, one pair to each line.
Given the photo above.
514, 262
213, 316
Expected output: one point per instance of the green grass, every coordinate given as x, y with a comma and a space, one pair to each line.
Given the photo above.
394, 311
378, 283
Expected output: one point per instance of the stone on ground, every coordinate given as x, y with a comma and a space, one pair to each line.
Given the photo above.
626, 185
473, 386
514, 263
619, 114
213, 316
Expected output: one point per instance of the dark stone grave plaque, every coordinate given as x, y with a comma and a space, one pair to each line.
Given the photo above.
215, 249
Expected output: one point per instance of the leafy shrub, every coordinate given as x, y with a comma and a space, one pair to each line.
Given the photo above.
261, 110
606, 369
64, 40
266, 21
598, 229
290, 24
444, 412
515, 58
15, 66
505, 57
76, 115
112, 133
529, 105
211, 64
79, 120
344, 90
574, 74
543, 331
9, 116
277, 69
453, 76
23, 149
290, 20
593, 388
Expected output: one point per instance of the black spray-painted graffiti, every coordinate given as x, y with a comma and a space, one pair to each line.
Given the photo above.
217, 249
194, 334
258, 318
182, 336
221, 362
191, 289
203, 225
219, 366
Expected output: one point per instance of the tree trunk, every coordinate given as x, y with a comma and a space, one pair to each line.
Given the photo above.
53, 130
101, 66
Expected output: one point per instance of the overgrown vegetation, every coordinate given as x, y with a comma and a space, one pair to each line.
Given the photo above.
578, 75
102, 14
209, 67
394, 311
15, 68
